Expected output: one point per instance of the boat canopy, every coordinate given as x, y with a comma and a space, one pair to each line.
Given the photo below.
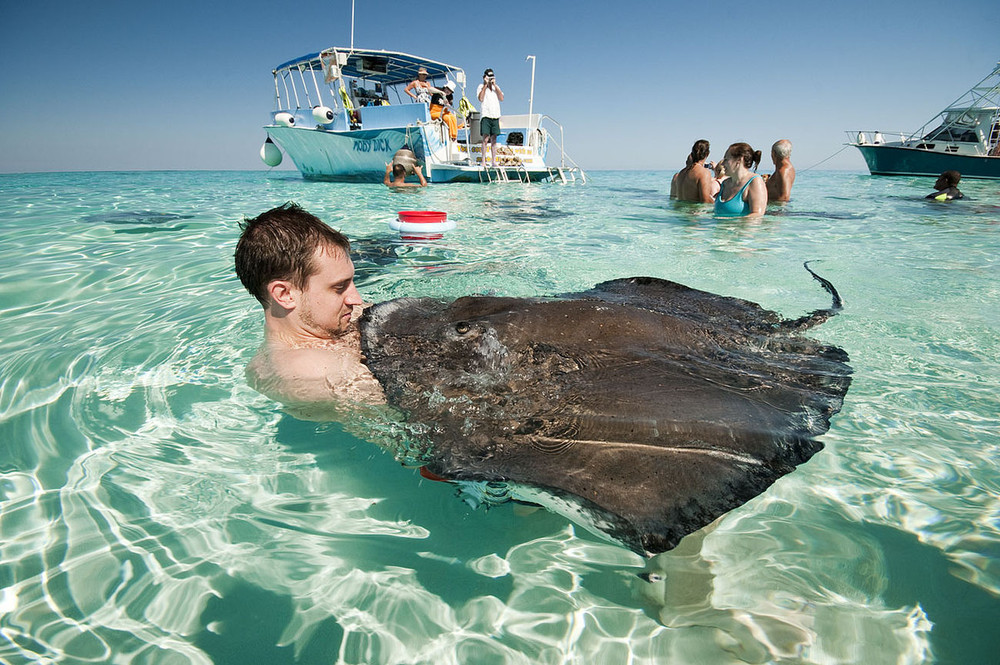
972, 118
960, 125
385, 67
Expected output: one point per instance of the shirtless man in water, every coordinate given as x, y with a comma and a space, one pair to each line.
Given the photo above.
300, 270
779, 184
694, 181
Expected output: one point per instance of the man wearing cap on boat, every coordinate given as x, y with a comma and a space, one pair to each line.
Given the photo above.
490, 95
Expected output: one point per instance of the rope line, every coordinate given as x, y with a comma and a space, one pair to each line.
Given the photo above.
829, 158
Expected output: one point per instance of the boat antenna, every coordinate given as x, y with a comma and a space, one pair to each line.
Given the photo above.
352, 26
531, 93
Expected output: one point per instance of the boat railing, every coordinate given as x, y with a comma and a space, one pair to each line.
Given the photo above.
564, 171
876, 137
367, 117
987, 146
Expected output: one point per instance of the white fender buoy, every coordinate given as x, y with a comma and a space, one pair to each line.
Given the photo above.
323, 114
878, 140
862, 138
421, 224
286, 119
270, 154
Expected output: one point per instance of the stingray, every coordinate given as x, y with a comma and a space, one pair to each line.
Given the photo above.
642, 408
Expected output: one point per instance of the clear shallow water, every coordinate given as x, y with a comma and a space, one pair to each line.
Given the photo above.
154, 509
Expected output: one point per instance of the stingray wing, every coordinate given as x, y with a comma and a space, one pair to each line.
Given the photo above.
657, 419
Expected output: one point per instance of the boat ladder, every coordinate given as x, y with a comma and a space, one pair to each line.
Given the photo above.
493, 174
566, 174
499, 173
994, 141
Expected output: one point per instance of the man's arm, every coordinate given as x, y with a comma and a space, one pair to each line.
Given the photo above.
420, 175
705, 187
388, 170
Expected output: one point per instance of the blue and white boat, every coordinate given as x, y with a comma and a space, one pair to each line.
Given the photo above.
342, 114
964, 137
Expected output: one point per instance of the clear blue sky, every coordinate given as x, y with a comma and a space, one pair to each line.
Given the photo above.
113, 85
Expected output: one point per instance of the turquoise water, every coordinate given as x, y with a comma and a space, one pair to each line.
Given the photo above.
154, 509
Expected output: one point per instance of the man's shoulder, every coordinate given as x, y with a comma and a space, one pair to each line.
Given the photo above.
295, 375
700, 172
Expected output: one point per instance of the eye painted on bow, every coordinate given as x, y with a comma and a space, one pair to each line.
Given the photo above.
462, 327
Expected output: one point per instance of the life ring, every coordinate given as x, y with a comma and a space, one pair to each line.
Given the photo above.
421, 224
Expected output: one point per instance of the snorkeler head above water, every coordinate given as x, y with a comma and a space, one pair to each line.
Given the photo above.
946, 187
300, 270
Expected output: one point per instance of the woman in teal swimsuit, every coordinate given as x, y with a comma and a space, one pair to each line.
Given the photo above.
743, 192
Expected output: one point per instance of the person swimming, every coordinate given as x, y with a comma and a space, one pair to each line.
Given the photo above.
946, 187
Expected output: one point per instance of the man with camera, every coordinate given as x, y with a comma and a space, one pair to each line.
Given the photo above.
490, 95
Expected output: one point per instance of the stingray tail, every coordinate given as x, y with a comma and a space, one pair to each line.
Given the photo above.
820, 315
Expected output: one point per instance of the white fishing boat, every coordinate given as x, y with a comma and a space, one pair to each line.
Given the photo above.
341, 114
964, 137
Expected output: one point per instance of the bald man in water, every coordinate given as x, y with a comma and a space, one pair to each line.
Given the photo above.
779, 184
300, 271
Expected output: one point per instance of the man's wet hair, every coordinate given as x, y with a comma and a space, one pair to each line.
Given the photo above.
952, 177
281, 244
700, 150
398, 170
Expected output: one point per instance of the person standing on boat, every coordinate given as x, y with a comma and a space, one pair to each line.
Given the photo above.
490, 95
779, 184
947, 187
743, 193
423, 88
694, 181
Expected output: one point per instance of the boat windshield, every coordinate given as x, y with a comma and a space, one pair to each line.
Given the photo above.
952, 134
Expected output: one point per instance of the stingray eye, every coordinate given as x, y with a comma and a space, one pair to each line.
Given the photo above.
462, 327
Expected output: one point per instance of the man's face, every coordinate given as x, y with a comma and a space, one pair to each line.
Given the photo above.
326, 303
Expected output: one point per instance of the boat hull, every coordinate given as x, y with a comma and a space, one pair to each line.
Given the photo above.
361, 156
356, 156
898, 160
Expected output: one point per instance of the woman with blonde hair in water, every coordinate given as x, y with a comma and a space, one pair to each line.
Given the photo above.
743, 193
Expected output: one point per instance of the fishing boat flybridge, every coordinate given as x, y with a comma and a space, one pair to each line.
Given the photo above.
964, 137
342, 114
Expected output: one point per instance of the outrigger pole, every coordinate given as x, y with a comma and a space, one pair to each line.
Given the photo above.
531, 93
